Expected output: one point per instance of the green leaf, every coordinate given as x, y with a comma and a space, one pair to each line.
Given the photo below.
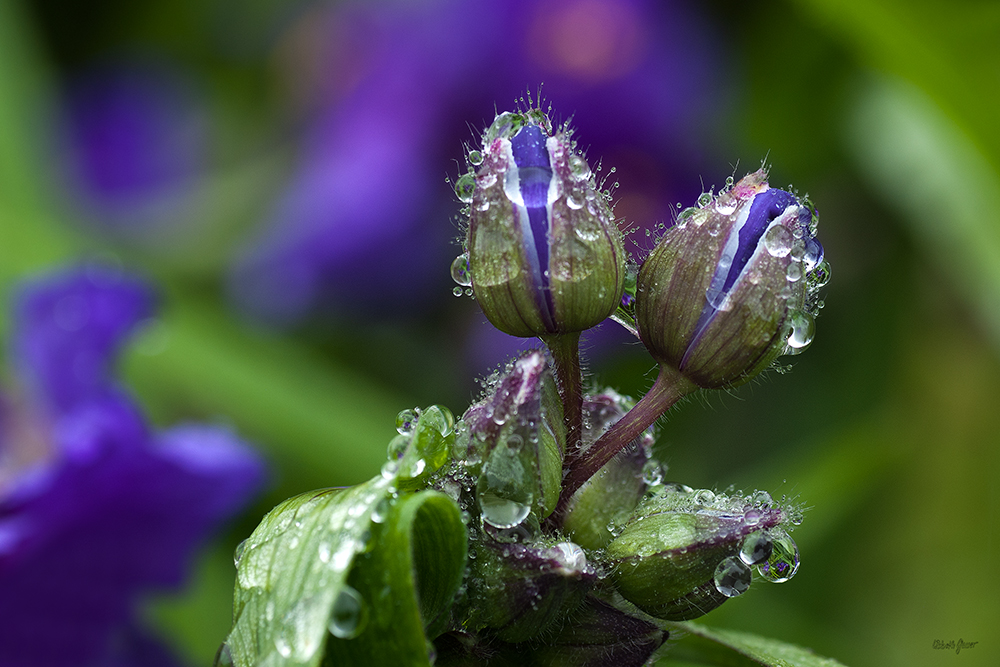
341, 569
411, 578
704, 646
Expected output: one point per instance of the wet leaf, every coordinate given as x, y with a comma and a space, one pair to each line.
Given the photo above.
708, 647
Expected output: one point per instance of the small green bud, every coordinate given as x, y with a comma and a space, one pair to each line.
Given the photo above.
610, 496
544, 253
732, 285
523, 589
684, 552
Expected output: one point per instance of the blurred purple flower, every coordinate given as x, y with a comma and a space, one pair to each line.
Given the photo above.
95, 507
133, 146
362, 227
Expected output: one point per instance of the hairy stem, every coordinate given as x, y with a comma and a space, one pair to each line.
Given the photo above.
565, 350
670, 386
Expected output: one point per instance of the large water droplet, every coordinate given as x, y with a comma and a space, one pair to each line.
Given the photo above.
460, 272
732, 577
652, 473
465, 186
579, 168
794, 272
704, 199
778, 241
504, 489
406, 421
756, 548
803, 330
475, 158
350, 614
819, 276
783, 562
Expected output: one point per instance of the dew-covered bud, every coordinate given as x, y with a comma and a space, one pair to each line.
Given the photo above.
516, 444
732, 284
599, 635
522, 589
685, 552
609, 497
544, 253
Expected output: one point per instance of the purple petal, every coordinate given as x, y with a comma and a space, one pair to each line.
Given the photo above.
68, 329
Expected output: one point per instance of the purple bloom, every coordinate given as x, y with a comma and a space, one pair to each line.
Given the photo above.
95, 507
133, 140
360, 225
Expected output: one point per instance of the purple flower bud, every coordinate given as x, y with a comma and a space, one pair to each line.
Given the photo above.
732, 285
545, 254
516, 443
523, 589
685, 552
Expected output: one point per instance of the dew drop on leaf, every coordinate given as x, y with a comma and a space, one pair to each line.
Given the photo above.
350, 614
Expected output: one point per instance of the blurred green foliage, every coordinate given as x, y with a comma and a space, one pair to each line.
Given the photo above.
887, 429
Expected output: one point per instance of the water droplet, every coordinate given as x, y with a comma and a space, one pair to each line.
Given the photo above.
465, 186
460, 271
475, 158
756, 548
783, 562
412, 468
798, 251
350, 614
389, 469
819, 276
726, 207
704, 199
704, 497
579, 168
504, 489
802, 332
469, 291
224, 657
457, 291
652, 474
762, 499
813, 255
794, 272
570, 556
729, 181
406, 421
487, 180
778, 241
515, 442
573, 202
381, 510
238, 553
732, 577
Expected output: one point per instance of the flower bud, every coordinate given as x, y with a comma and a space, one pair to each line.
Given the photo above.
732, 285
599, 635
611, 495
516, 444
544, 253
684, 552
523, 589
